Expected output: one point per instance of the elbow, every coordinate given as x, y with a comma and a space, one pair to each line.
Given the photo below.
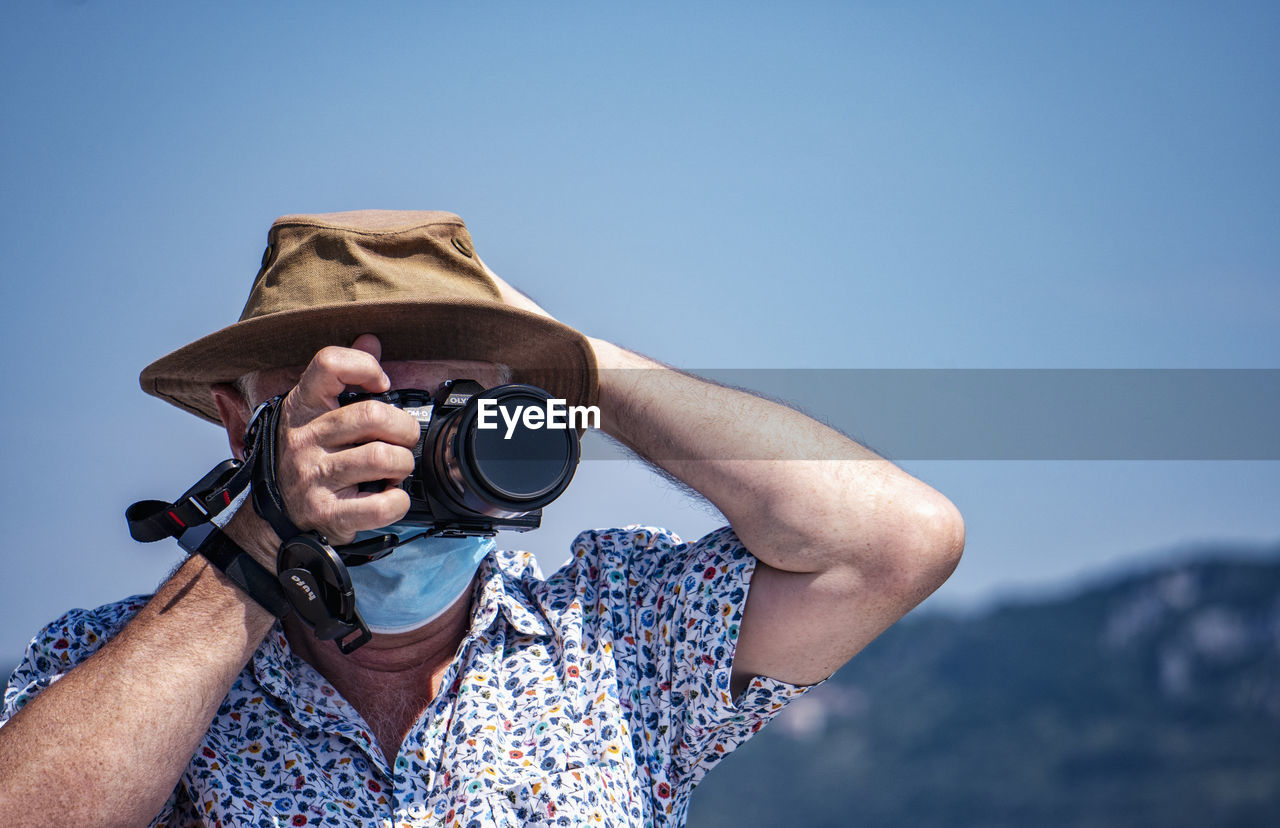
939, 543
901, 541
925, 551
946, 533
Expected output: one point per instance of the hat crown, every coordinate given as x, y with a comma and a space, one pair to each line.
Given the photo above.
314, 261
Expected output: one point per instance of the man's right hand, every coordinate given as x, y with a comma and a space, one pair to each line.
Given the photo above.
325, 451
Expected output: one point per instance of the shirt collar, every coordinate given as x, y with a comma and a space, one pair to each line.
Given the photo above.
503, 589
305, 692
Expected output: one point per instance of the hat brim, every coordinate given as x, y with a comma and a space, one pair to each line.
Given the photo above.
540, 351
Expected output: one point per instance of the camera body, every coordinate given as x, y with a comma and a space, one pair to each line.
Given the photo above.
469, 477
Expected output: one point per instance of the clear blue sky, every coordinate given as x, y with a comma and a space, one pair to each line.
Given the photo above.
838, 185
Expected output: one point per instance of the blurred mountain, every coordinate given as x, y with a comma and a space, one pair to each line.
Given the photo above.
1150, 699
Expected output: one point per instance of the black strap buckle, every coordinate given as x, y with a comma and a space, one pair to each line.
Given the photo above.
153, 520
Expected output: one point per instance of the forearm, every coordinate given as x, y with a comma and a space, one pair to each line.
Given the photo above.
801, 496
107, 743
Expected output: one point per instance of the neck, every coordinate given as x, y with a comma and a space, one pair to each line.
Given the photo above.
393, 678
385, 656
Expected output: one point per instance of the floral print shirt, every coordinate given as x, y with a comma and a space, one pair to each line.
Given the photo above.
598, 696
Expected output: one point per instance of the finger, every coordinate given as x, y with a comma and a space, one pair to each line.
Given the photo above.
370, 344
332, 369
364, 464
364, 422
363, 511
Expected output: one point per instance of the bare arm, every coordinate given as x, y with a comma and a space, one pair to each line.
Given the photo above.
107, 743
846, 544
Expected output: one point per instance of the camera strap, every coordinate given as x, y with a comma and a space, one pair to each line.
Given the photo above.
190, 520
260, 453
153, 520
254, 579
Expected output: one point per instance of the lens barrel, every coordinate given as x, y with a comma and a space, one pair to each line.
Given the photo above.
515, 466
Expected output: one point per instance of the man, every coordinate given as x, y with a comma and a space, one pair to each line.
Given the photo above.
601, 694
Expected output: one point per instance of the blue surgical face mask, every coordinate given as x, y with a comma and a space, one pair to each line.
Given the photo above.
418, 581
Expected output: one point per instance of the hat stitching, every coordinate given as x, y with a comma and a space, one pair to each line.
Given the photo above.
359, 232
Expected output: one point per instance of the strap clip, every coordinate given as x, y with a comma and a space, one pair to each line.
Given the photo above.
153, 520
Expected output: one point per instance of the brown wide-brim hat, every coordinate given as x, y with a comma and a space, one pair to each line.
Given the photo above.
411, 278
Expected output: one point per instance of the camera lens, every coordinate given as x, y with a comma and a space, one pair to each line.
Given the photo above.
518, 466
526, 465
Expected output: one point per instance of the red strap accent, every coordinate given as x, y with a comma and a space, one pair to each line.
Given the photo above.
226, 498
177, 519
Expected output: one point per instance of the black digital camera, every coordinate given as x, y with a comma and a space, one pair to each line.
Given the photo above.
481, 462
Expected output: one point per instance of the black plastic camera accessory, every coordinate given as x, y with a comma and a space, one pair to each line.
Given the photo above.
318, 585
